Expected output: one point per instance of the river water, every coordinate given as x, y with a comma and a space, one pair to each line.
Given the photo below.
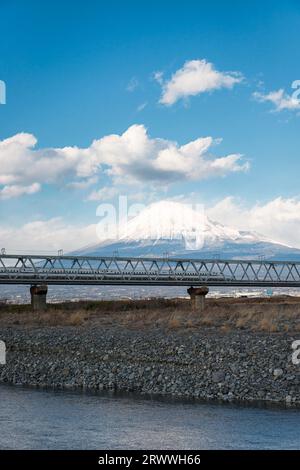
46, 419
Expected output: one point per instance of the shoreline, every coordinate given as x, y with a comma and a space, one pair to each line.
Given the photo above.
119, 394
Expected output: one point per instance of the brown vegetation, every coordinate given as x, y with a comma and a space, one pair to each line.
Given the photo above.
277, 314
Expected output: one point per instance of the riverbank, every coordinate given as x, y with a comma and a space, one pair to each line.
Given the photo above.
165, 350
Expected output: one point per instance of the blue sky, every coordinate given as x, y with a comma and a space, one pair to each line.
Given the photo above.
79, 71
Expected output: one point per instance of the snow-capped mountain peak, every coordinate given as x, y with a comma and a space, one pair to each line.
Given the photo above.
170, 220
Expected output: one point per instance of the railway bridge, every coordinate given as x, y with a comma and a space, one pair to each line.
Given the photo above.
39, 271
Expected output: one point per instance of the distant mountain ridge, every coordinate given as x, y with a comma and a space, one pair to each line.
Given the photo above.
174, 229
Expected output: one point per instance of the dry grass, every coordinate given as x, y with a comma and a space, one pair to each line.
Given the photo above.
58, 318
174, 323
267, 324
136, 314
281, 314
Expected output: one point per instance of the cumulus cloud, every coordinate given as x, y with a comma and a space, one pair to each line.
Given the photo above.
130, 157
83, 184
192, 161
21, 163
103, 194
48, 235
9, 192
280, 99
278, 219
195, 77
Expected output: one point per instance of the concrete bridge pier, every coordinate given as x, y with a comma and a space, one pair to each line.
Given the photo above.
38, 297
198, 298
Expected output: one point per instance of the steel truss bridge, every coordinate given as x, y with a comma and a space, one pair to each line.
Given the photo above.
89, 270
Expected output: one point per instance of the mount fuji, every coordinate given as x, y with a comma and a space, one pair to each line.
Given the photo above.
173, 229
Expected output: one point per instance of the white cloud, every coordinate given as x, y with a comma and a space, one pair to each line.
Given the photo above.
278, 219
9, 192
130, 157
280, 99
191, 161
195, 77
21, 164
83, 184
103, 194
49, 235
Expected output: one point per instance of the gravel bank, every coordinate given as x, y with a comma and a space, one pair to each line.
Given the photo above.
206, 364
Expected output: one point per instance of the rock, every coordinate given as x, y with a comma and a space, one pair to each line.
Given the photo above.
218, 376
277, 373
